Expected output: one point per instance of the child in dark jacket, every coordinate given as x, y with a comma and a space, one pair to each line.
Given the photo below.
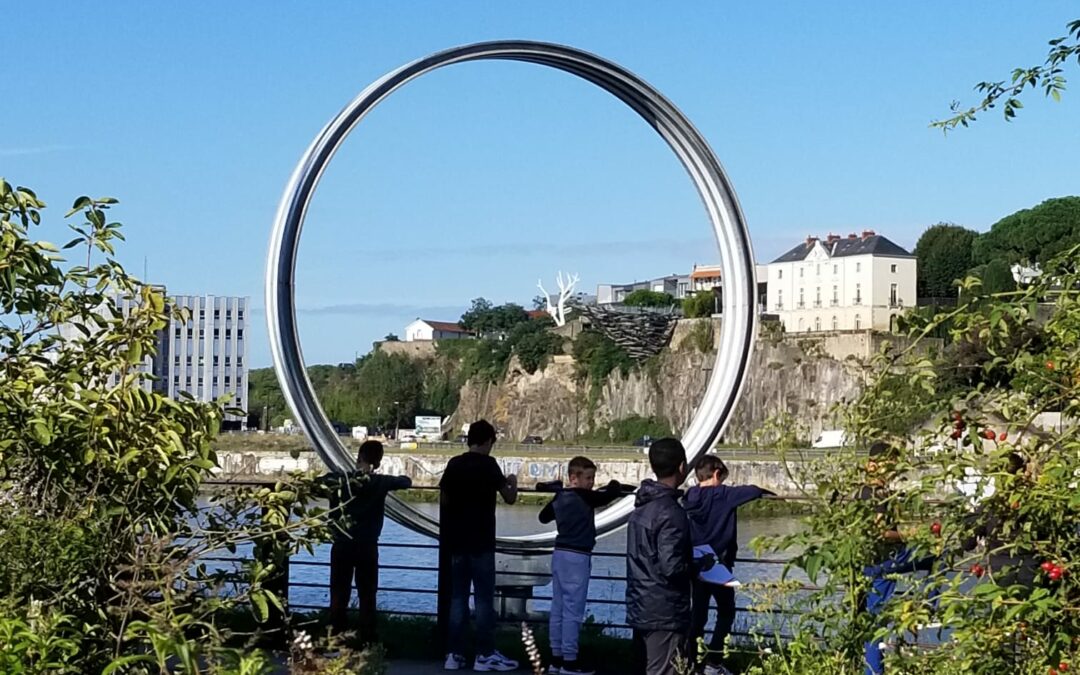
711, 508
573, 509
660, 564
358, 502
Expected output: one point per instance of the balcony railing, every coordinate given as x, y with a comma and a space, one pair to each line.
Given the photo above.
802, 305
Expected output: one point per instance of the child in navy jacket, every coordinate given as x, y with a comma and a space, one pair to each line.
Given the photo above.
571, 563
711, 508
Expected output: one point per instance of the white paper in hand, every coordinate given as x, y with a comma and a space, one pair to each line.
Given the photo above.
719, 573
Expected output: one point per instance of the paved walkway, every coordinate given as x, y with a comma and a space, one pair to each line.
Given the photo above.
398, 667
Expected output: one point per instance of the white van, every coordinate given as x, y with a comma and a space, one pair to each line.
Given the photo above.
832, 438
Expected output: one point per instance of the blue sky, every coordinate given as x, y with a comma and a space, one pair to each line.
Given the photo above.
479, 179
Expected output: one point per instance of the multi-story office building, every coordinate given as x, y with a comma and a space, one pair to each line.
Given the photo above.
207, 354
842, 284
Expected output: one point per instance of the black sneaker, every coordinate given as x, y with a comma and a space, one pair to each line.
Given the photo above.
576, 668
556, 665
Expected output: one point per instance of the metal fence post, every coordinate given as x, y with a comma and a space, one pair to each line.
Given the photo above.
442, 610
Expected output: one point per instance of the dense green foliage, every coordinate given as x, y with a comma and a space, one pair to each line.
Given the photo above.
996, 276
1001, 528
485, 319
699, 305
945, 255
102, 526
1033, 235
646, 298
630, 429
597, 356
386, 390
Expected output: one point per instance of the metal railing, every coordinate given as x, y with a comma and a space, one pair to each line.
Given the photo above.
504, 591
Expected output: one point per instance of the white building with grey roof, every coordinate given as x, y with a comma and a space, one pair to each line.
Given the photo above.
852, 283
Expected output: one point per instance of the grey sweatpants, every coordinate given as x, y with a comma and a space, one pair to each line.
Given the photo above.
570, 571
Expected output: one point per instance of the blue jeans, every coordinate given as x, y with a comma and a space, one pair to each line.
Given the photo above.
570, 571
882, 588
478, 571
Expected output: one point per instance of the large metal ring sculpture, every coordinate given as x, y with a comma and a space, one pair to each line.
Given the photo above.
737, 261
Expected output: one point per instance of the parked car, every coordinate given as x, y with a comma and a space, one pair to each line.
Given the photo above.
463, 438
643, 442
532, 440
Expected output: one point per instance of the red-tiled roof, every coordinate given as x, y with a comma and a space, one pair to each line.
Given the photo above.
537, 313
445, 326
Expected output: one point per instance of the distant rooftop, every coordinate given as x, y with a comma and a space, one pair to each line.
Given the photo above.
445, 326
836, 246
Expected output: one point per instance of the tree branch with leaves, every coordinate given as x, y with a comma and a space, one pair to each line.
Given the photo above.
1047, 77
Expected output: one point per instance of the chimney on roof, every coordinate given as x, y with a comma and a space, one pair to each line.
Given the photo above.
866, 234
810, 239
852, 236
832, 238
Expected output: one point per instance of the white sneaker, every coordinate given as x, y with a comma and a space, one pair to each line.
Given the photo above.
454, 662
494, 662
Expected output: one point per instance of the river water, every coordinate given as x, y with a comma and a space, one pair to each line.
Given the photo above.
517, 520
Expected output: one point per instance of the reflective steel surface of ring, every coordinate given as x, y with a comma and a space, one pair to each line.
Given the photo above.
739, 324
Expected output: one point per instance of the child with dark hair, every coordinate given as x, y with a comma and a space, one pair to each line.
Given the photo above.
359, 501
467, 534
573, 509
712, 508
660, 565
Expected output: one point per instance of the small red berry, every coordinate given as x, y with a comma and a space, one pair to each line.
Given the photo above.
935, 529
956, 434
1046, 566
977, 570
989, 434
1049, 365
1015, 506
957, 415
1063, 667
1052, 671
1054, 574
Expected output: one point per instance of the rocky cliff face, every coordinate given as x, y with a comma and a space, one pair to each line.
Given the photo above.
800, 376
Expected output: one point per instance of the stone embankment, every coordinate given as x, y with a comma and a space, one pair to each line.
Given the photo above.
425, 470
801, 375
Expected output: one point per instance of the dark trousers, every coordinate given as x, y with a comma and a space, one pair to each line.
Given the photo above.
657, 652
478, 572
724, 596
349, 561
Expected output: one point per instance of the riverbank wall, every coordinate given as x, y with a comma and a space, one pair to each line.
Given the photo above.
426, 470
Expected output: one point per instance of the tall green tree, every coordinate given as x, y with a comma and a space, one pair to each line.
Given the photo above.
944, 253
1032, 236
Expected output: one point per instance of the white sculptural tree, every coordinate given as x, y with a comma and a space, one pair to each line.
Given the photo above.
566, 289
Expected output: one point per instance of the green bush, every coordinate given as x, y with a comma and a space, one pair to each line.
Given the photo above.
699, 305
978, 487
102, 524
647, 298
629, 429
